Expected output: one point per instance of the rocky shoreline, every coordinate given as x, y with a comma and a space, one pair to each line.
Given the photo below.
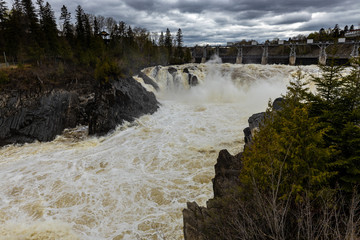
27, 116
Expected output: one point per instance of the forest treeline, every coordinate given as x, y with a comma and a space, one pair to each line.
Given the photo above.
29, 34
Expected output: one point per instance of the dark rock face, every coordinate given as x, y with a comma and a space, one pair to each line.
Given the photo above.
43, 115
193, 217
193, 80
172, 70
186, 70
256, 119
227, 171
148, 80
41, 118
254, 123
123, 100
277, 104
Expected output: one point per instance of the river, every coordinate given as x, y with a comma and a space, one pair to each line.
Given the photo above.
134, 182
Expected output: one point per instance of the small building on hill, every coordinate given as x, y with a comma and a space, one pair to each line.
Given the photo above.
353, 33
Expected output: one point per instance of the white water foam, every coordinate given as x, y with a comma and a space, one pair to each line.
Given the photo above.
134, 183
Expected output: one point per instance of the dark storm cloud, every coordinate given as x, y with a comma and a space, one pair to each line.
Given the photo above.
291, 18
221, 21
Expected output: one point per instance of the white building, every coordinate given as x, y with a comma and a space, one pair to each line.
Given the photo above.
354, 33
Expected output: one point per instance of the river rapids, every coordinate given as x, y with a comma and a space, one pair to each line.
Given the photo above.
134, 182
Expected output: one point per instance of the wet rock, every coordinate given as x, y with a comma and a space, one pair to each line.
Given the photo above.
227, 171
193, 80
277, 104
41, 118
122, 100
148, 80
172, 70
155, 71
193, 217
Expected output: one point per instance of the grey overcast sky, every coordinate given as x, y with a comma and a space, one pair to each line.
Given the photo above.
221, 21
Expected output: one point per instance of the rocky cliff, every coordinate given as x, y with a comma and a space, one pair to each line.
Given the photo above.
26, 116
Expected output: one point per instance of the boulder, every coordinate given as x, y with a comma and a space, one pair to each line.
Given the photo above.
172, 70
193, 80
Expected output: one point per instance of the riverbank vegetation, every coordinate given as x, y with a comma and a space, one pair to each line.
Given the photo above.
102, 46
300, 175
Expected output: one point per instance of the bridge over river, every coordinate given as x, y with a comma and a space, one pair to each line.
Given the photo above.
281, 53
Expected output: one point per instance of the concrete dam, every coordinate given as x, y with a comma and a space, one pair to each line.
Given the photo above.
298, 53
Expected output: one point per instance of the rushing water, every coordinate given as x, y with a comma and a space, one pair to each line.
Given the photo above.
134, 183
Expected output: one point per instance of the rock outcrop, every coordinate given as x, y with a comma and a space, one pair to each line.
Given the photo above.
26, 117
149, 81
120, 101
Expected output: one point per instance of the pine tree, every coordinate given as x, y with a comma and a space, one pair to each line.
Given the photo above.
96, 27
87, 30
168, 39
179, 51
67, 28
179, 38
48, 27
168, 43
31, 17
80, 25
161, 40
348, 163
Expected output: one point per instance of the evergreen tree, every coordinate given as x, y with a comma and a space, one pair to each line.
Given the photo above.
168, 43
31, 17
67, 28
15, 30
87, 30
96, 27
348, 142
289, 148
168, 39
48, 27
179, 50
161, 40
179, 38
80, 25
